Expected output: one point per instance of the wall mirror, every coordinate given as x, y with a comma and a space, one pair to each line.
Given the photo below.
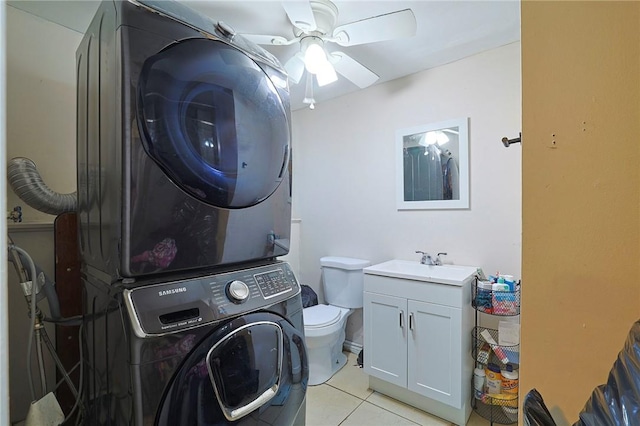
432, 166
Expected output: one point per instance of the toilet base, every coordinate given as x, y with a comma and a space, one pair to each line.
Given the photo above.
324, 350
319, 369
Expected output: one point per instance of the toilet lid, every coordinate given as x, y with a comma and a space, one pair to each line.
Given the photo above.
321, 315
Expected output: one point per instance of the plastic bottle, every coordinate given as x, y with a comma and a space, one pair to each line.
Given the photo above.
509, 280
509, 381
494, 379
479, 377
500, 286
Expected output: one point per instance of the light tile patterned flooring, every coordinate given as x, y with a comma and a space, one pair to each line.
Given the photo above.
346, 400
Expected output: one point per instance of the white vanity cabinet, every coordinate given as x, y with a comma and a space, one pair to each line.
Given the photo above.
416, 340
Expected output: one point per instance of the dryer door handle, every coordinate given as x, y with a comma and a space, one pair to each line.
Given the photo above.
256, 403
233, 413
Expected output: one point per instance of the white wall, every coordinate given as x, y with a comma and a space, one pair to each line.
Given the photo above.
344, 171
41, 102
41, 117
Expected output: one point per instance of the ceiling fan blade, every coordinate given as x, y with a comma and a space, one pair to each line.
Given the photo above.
353, 70
300, 14
399, 24
266, 39
295, 67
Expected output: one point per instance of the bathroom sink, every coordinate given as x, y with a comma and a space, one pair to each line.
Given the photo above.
414, 270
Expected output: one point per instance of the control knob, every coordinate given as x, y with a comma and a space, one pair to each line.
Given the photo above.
237, 291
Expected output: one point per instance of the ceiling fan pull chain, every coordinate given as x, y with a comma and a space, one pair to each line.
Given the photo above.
308, 92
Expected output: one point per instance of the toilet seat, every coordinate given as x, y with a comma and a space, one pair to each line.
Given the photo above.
319, 316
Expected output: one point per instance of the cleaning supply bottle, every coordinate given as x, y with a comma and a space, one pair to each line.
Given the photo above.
494, 379
509, 280
509, 381
479, 377
500, 285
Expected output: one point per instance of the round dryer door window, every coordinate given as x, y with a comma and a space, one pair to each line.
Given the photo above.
215, 123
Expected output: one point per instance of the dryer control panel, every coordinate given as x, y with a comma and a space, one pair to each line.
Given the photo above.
178, 305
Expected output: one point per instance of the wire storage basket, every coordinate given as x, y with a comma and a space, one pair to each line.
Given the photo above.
499, 303
487, 350
498, 408
497, 403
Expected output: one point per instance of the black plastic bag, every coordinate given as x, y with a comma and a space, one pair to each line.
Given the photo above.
617, 403
309, 297
535, 411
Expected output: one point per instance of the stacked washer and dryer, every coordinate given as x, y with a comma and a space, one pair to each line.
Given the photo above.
183, 154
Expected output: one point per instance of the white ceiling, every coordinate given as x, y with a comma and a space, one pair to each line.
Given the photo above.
446, 31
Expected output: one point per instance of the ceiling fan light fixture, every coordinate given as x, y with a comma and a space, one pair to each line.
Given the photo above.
326, 74
295, 68
314, 56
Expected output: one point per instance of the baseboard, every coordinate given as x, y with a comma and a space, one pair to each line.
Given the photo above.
352, 347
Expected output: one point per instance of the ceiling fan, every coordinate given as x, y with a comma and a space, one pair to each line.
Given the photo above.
314, 26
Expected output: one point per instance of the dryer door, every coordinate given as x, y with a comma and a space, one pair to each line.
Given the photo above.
215, 122
251, 371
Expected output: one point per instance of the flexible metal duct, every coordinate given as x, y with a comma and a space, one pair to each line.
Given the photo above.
27, 183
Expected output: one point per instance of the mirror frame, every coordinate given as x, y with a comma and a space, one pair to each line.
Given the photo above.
463, 166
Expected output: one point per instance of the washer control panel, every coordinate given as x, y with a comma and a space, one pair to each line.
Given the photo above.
272, 283
174, 306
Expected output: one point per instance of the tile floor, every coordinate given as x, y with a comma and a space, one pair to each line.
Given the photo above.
346, 400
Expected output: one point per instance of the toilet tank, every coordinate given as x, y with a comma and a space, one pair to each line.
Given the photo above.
342, 281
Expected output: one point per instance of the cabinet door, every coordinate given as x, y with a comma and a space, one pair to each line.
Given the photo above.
385, 337
434, 352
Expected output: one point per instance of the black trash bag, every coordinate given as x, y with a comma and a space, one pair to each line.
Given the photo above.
309, 297
360, 359
535, 411
617, 402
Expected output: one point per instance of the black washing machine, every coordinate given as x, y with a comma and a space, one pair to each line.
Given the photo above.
224, 349
183, 144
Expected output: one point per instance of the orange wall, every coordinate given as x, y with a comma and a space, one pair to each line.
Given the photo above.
581, 195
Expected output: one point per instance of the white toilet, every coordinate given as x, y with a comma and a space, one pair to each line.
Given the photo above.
324, 325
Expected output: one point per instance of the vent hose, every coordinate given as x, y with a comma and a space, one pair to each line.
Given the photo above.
26, 182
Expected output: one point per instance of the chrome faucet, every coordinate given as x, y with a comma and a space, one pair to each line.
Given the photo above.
428, 260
